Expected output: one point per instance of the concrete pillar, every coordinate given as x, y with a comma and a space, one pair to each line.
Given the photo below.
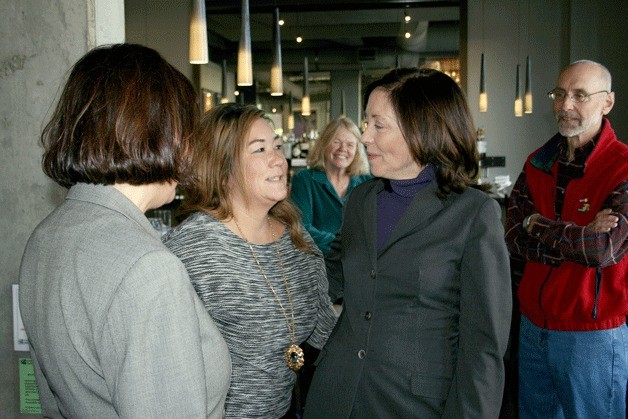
41, 40
348, 82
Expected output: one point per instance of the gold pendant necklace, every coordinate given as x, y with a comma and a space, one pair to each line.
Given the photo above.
293, 353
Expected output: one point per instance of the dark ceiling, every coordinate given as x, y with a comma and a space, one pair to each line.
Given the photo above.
337, 34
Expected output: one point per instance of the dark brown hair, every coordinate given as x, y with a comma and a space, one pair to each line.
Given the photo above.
125, 116
218, 149
316, 157
435, 122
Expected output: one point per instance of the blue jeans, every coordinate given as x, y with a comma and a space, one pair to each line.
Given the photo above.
572, 374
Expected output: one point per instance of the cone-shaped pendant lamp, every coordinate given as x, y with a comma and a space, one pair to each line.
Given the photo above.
518, 101
305, 101
276, 71
245, 55
290, 113
528, 95
199, 53
483, 99
343, 112
224, 98
483, 102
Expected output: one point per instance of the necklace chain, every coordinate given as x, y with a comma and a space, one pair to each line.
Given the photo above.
290, 325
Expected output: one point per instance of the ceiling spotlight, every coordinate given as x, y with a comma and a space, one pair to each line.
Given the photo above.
407, 17
407, 35
236, 93
299, 39
281, 22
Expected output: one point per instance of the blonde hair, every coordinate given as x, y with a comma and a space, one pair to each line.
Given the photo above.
219, 147
316, 158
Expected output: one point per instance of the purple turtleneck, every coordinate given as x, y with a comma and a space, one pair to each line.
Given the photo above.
394, 199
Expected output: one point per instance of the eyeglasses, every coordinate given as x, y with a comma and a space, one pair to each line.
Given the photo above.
558, 95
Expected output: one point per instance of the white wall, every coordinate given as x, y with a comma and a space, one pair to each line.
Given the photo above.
560, 32
507, 135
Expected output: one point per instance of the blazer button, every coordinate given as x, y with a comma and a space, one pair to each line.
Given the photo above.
361, 353
373, 273
368, 315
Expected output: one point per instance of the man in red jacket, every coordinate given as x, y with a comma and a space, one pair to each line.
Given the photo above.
567, 218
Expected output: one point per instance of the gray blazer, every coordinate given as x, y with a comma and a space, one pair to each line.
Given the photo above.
114, 324
425, 321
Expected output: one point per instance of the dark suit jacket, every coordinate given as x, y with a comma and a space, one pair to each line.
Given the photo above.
425, 320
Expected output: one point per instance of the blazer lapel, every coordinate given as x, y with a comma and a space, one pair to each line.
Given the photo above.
369, 219
422, 207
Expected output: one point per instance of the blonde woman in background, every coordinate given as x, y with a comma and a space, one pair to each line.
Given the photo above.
337, 164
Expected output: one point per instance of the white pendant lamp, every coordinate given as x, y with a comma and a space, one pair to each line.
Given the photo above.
290, 113
483, 102
343, 112
305, 101
199, 52
224, 98
245, 55
518, 101
276, 71
528, 94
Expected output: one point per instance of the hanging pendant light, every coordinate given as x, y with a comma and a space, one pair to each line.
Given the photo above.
483, 102
528, 93
290, 113
305, 101
224, 98
276, 71
245, 56
518, 101
343, 112
199, 52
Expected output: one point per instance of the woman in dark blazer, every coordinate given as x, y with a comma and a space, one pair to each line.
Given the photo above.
422, 265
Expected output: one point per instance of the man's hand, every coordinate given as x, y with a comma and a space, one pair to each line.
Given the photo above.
603, 221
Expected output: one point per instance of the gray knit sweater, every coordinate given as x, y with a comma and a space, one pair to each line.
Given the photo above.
227, 279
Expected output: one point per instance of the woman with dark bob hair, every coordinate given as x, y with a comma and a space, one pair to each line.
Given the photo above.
422, 265
114, 325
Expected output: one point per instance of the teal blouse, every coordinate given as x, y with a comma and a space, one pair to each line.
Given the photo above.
319, 203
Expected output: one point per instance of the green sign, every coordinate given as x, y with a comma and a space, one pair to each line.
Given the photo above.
29, 395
